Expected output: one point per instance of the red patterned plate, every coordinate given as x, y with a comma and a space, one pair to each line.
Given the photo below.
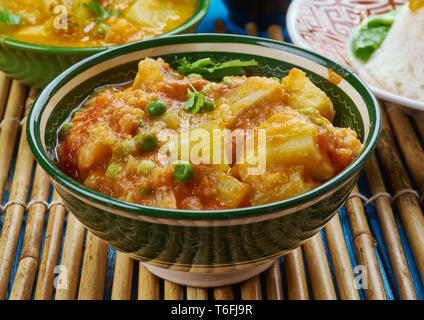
325, 26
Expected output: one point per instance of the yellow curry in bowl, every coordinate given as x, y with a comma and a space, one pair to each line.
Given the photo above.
88, 23
128, 141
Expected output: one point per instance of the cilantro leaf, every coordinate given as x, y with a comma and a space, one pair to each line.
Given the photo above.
197, 102
95, 7
9, 18
211, 70
103, 14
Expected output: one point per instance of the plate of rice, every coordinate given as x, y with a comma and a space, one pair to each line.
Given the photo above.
381, 40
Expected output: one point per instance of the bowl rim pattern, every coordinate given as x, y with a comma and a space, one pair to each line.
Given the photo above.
126, 208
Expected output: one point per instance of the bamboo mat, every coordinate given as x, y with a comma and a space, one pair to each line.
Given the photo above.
373, 249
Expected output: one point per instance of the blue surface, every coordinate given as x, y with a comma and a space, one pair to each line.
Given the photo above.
218, 11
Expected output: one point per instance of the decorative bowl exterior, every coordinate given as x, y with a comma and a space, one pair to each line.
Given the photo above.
36, 65
203, 241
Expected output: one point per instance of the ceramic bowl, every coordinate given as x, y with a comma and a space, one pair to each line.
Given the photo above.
203, 248
36, 65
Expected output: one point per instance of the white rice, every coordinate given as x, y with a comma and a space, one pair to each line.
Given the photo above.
398, 65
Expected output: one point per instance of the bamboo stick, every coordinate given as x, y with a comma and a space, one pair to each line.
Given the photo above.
197, 294
4, 92
273, 282
364, 247
275, 32
122, 277
296, 275
223, 293
220, 26
341, 262
419, 124
251, 289
10, 129
173, 291
93, 269
390, 233
71, 258
252, 29
407, 204
24, 279
409, 144
49, 256
28, 264
319, 272
12, 221
148, 284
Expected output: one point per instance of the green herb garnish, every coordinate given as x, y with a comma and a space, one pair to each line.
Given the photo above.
197, 102
9, 18
102, 15
372, 33
209, 69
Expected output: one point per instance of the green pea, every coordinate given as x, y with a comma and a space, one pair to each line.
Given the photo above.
145, 192
276, 79
156, 108
183, 172
124, 148
65, 129
113, 169
209, 106
102, 28
146, 141
74, 113
226, 80
145, 166
194, 76
172, 120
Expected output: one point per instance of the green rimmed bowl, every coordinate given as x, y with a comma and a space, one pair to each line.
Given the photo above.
203, 248
36, 65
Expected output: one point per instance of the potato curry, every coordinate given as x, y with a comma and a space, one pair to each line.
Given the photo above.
114, 142
88, 23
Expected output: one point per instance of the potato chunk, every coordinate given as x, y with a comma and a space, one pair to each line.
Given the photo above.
164, 198
148, 75
302, 93
276, 184
81, 11
92, 153
228, 191
292, 139
97, 149
253, 91
150, 13
198, 145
